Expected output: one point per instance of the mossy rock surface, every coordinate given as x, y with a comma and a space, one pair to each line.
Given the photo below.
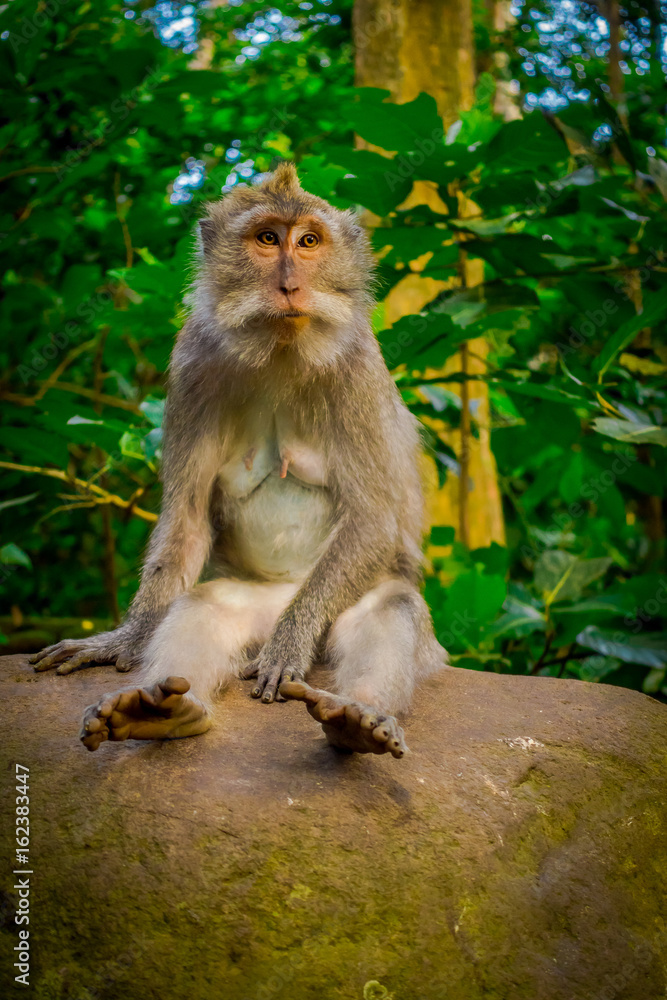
519, 852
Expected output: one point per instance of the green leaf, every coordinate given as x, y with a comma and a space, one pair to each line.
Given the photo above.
631, 431
409, 242
561, 576
33, 443
648, 650
594, 668
113, 425
153, 410
520, 619
539, 390
469, 305
147, 256
655, 307
571, 481
12, 555
132, 446
601, 604
494, 558
15, 501
653, 681
442, 535
525, 144
486, 227
104, 433
420, 340
153, 444
401, 127
472, 601
380, 192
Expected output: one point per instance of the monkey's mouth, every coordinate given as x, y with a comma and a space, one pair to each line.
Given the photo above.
292, 314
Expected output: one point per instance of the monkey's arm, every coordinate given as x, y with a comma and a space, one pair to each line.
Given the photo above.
361, 547
178, 548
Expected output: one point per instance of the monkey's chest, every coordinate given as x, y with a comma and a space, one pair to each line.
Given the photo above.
277, 505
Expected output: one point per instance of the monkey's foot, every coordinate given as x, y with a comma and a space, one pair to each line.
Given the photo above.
162, 712
349, 725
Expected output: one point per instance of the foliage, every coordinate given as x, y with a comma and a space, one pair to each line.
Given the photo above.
573, 304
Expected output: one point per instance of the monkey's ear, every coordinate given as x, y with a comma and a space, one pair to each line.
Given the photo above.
207, 230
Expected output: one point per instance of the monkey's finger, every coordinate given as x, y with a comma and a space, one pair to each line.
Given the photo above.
42, 654
250, 671
84, 658
52, 656
270, 686
57, 650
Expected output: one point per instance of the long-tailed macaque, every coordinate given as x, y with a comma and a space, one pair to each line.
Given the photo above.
290, 472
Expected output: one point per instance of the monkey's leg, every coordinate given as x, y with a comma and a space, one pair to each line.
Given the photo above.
202, 637
380, 648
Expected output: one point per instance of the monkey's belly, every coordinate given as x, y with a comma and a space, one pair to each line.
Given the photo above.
280, 530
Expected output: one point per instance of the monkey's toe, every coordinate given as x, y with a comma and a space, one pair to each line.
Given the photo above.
349, 725
162, 712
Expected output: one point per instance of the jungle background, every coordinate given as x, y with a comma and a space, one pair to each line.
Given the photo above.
510, 162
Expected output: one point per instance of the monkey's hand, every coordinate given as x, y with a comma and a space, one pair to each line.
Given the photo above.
270, 669
123, 647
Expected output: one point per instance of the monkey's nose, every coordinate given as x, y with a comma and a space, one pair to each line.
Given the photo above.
289, 286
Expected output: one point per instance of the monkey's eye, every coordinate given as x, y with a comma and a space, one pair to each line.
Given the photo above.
308, 240
268, 238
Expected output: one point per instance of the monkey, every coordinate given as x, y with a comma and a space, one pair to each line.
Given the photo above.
291, 522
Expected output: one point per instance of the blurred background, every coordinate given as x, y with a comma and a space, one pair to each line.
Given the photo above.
510, 162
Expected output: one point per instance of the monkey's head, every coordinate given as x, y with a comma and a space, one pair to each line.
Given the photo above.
284, 271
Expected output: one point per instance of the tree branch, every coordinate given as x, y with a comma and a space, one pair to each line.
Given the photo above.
95, 494
77, 390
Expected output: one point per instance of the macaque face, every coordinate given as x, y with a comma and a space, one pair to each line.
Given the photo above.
284, 272
289, 256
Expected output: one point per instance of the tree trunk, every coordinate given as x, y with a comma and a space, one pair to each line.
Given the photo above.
406, 47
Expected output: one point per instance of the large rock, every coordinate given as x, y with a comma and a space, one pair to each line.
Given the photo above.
519, 851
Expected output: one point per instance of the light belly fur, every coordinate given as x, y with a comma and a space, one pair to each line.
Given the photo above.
280, 529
